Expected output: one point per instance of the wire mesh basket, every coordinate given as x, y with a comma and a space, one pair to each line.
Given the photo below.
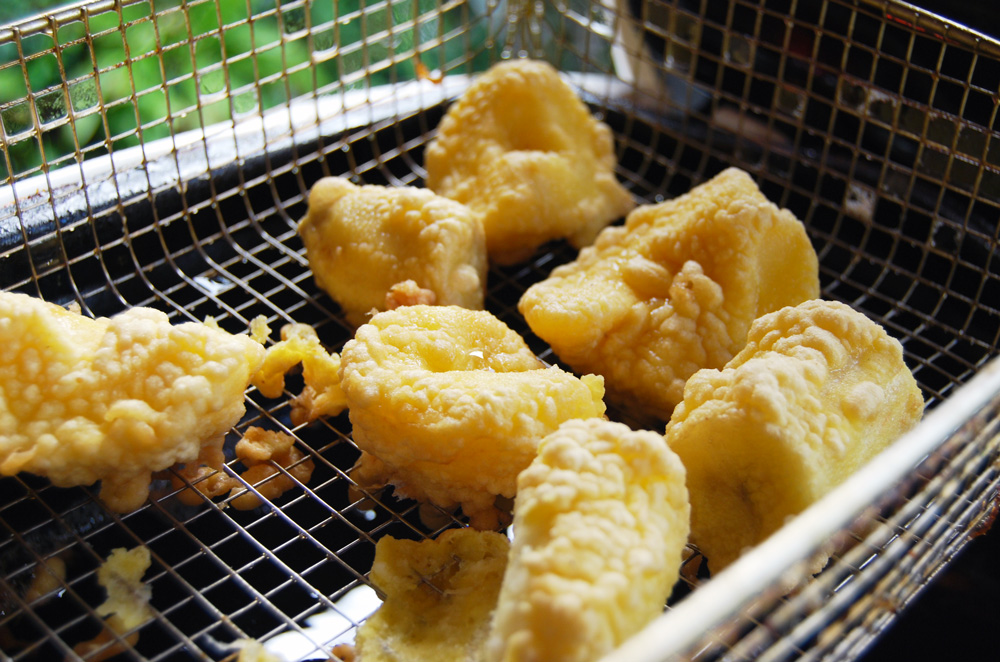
159, 153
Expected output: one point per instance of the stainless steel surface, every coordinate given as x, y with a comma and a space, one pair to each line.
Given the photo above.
171, 171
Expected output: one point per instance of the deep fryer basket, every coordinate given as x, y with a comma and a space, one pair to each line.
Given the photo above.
159, 153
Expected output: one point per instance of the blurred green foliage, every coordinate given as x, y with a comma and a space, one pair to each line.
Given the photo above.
12, 11
112, 78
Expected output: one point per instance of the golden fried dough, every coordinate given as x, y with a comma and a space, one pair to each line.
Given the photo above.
116, 399
673, 291
449, 404
362, 240
439, 595
818, 391
600, 521
521, 149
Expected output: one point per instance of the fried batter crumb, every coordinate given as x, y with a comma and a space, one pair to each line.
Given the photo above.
345, 652
424, 73
259, 330
49, 575
260, 445
270, 481
257, 450
206, 475
408, 293
321, 395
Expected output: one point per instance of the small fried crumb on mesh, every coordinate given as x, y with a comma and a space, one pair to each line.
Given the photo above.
262, 452
270, 481
251, 650
345, 653
260, 445
408, 293
49, 575
423, 73
206, 476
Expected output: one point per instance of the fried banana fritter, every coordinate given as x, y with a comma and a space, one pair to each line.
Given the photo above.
818, 391
449, 404
114, 399
439, 595
520, 148
673, 291
600, 523
362, 240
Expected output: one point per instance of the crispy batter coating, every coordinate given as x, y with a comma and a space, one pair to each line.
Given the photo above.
449, 404
362, 240
600, 522
260, 445
439, 595
321, 395
520, 148
116, 399
673, 291
818, 391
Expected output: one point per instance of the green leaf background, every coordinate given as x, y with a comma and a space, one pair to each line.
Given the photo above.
108, 79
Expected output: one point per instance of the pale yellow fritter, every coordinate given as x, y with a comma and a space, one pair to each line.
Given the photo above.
600, 522
362, 240
114, 399
520, 148
127, 605
673, 291
439, 595
449, 404
818, 391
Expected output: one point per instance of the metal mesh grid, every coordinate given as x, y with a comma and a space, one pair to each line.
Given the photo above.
166, 162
